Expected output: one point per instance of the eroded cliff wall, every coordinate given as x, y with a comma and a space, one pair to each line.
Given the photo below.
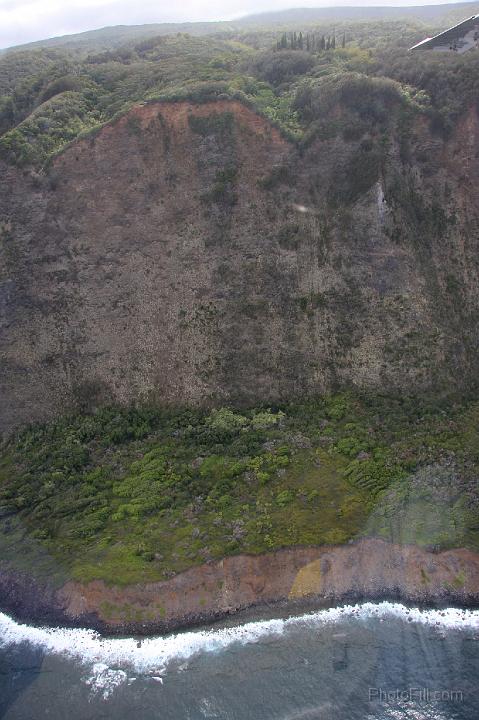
303, 577
189, 253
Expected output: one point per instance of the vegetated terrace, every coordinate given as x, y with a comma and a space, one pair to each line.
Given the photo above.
131, 495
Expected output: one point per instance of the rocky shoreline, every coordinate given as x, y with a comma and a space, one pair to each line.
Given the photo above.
287, 580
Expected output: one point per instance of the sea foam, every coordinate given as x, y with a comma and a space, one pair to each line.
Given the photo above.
152, 655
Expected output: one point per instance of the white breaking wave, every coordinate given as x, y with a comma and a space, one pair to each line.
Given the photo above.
108, 658
105, 680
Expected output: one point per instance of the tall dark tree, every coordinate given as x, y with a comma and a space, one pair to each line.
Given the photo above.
300, 40
343, 43
328, 43
333, 42
322, 43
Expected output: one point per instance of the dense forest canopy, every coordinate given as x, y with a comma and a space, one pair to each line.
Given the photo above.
49, 96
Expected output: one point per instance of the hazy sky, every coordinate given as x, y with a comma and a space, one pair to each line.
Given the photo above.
25, 20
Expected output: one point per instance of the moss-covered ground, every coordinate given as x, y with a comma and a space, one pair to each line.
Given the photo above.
130, 495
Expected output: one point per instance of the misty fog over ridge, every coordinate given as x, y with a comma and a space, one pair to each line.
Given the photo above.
74, 25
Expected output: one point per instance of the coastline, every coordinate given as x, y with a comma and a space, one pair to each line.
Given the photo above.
286, 581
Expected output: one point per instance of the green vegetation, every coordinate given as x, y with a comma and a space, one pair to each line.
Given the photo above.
140, 494
316, 81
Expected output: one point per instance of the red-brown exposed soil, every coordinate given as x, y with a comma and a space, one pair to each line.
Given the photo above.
369, 569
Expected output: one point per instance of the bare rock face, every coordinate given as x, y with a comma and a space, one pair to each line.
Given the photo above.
189, 253
369, 569
295, 578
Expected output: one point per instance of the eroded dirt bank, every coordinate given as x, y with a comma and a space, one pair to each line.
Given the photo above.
370, 569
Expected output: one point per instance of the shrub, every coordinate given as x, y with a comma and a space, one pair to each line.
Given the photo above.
63, 84
373, 475
214, 124
337, 407
370, 98
226, 420
355, 177
285, 497
280, 67
266, 419
352, 446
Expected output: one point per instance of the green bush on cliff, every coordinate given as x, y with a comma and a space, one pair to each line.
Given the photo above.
221, 124
225, 419
370, 98
374, 475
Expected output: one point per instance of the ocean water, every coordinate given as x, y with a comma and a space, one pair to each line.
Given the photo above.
369, 662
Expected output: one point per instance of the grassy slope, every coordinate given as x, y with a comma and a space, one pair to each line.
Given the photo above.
138, 495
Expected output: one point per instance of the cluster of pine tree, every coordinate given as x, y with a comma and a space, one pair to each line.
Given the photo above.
311, 42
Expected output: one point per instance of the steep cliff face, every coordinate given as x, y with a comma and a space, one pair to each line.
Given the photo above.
302, 577
189, 253
368, 569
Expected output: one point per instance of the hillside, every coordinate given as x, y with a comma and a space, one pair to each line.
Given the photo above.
261, 224
438, 16
425, 13
238, 313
